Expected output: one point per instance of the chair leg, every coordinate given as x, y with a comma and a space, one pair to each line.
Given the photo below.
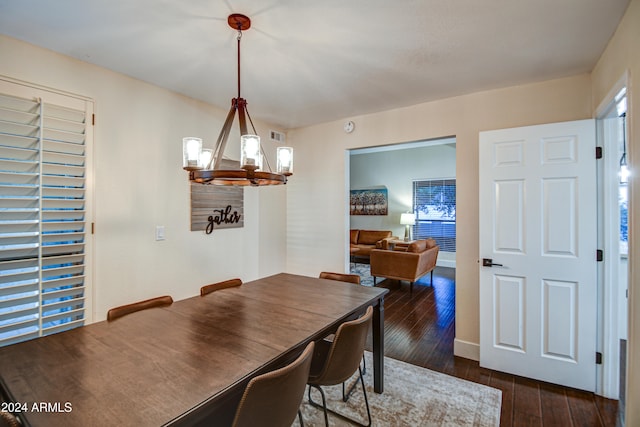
326, 410
431, 277
300, 418
324, 403
345, 396
411, 289
374, 280
366, 400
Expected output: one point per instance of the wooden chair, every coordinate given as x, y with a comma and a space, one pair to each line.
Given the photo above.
123, 310
335, 362
341, 277
273, 399
220, 285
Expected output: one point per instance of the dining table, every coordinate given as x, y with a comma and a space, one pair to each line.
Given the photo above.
186, 364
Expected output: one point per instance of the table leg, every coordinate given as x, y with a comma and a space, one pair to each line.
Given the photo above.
378, 347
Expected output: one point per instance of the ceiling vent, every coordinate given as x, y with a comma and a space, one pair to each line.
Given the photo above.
277, 136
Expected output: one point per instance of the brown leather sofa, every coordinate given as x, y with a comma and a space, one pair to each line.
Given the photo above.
363, 241
405, 263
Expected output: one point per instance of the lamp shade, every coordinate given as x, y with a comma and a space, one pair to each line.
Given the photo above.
285, 160
205, 158
250, 151
191, 153
407, 219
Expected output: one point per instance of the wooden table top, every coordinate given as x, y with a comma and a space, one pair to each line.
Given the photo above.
155, 366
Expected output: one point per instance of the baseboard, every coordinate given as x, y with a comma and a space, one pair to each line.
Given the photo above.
451, 263
465, 349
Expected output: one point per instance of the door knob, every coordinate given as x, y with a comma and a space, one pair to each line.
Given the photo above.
488, 262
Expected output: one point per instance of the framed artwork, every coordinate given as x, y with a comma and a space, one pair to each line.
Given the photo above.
371, 201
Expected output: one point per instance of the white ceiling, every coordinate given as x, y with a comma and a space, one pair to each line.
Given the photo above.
311, 61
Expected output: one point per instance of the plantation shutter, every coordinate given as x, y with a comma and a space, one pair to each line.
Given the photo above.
43, 212
434, 202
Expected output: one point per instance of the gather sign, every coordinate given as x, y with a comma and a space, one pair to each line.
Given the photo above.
216, 207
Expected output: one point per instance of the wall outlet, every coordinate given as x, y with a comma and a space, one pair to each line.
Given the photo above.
160, 232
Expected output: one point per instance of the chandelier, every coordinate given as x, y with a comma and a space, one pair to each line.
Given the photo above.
205, 165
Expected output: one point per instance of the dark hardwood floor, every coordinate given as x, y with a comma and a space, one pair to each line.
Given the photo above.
420, 330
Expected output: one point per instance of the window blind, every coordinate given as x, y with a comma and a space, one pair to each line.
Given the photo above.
42, 217
434, 202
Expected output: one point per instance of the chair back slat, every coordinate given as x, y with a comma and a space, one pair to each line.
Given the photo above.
207, 289
341, 277
123, 310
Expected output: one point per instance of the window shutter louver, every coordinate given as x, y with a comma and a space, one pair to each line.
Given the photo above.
42, 218
434, 202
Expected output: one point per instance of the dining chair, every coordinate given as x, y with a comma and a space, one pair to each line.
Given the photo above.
342, 277
220, 285
335, 362
7, 419
273, 399
123, 310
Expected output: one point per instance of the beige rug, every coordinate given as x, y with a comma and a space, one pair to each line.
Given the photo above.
413, 396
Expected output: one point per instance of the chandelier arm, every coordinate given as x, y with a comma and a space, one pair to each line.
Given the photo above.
242, 120
221, 143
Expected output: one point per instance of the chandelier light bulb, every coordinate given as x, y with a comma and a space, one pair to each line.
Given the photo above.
285, 160
205, 157
191, 153
250, 151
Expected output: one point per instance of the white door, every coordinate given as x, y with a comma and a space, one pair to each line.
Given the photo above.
538, 224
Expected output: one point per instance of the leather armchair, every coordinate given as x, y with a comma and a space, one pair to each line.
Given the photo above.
410, 264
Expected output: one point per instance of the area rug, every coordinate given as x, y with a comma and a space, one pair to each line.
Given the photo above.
413, 396
364, 272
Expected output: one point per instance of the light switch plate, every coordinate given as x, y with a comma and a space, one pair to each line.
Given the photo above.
160, 232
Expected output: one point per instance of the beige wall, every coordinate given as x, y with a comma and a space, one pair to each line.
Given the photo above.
621, 56
139, 183
317, 197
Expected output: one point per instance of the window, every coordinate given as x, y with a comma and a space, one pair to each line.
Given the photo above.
434, 203
43, 212
623, 190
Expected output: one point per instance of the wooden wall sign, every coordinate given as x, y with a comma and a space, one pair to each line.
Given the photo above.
215, 207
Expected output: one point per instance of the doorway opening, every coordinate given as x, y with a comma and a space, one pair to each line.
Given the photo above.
401, 170
419, 178
613, 238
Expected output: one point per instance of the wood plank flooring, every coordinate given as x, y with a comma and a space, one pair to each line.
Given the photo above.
420, 330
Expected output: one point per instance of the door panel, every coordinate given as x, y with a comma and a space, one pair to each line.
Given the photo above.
538, 225
509, 322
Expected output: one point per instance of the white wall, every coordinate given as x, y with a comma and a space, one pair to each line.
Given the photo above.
318, 202
623, 55
139, 183
397, 169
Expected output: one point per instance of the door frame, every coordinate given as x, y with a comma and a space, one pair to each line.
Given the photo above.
608, 374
